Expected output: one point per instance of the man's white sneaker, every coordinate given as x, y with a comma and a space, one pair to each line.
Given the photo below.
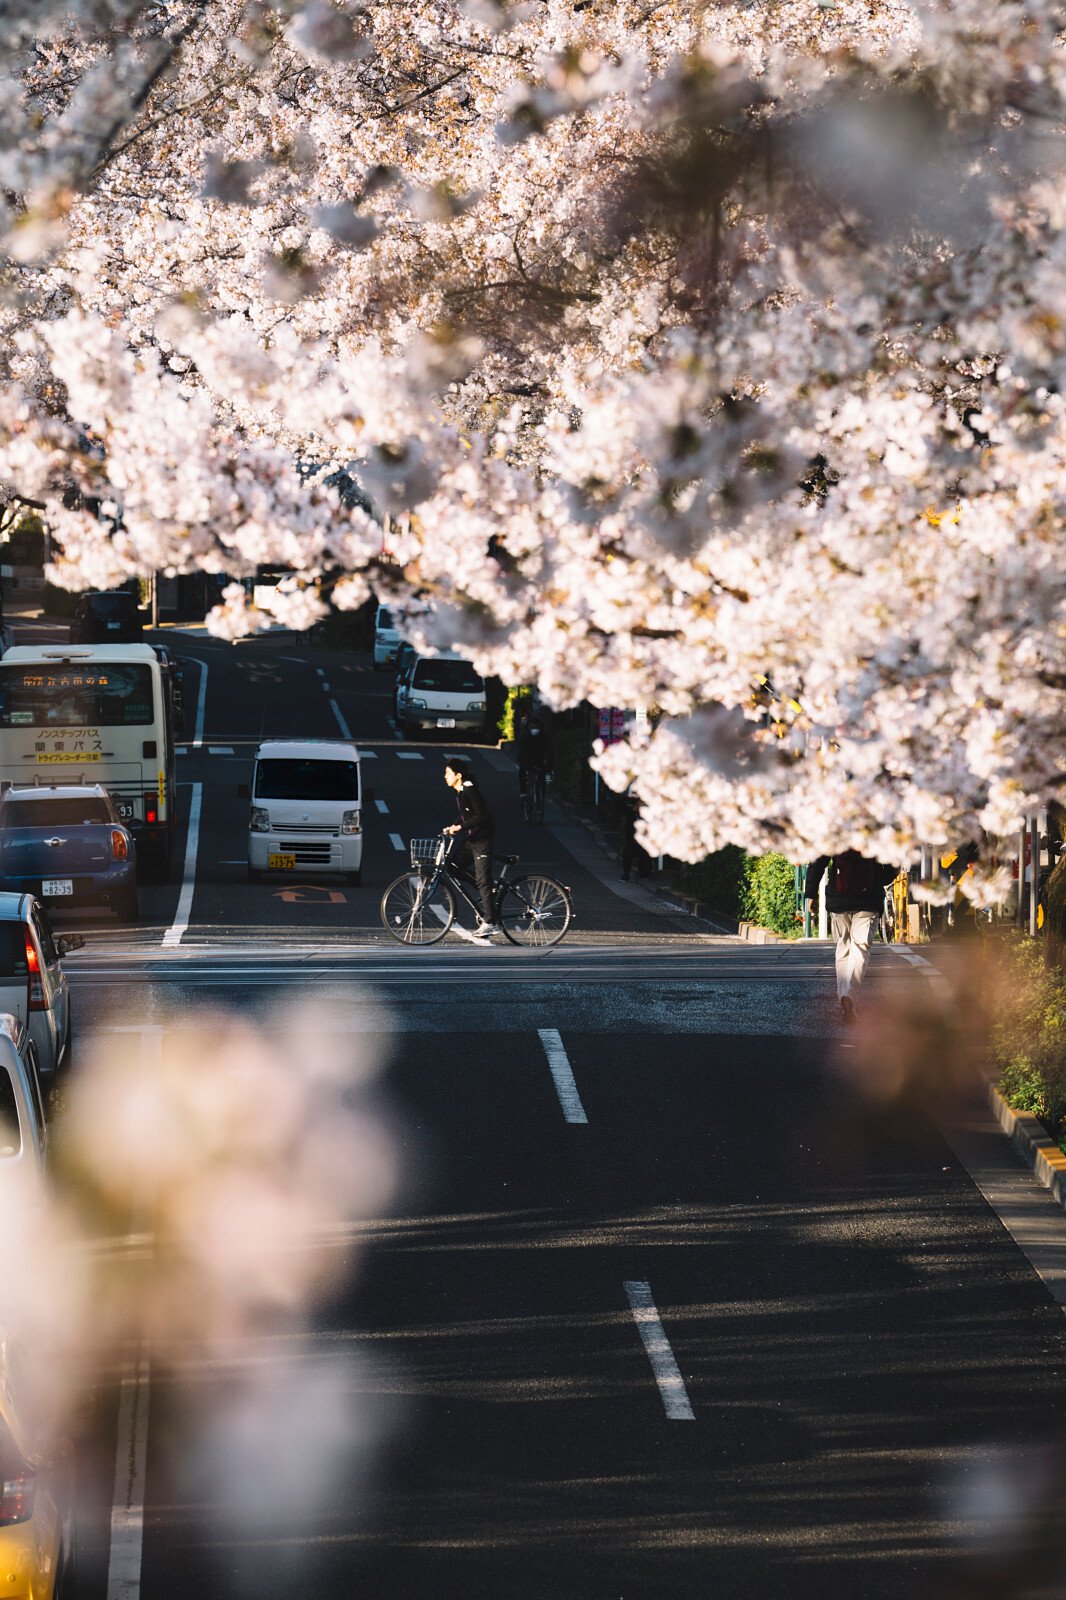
486, 930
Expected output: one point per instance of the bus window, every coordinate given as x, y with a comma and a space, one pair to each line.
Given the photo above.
110, 695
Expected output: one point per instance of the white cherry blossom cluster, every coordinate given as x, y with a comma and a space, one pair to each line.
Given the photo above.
703, 359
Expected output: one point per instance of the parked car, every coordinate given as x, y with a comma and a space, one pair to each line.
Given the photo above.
67, 845
307, 809
406, 657
442, 692
7, 637
33, 985
37, 1529
174, 670
386, 639
23, 1130
107, 617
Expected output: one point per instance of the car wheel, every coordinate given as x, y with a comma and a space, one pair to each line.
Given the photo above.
254, 875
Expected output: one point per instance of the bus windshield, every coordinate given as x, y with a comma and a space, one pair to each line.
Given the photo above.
86, 695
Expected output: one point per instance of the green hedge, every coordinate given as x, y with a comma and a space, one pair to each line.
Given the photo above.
521, 696
1029, 1035
718, 880
768, 895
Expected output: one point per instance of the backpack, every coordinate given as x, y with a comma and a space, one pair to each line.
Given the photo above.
855, 878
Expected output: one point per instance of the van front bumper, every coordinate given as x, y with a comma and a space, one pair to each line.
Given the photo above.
317, 852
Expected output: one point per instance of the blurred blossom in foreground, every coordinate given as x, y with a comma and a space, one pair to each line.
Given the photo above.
209, 1175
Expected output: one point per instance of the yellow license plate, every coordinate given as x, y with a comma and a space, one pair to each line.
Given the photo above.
286, 863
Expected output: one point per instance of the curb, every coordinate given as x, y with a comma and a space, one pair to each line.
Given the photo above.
1031, 1140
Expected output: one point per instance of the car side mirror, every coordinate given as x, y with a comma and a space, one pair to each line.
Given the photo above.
66, 942
243, 792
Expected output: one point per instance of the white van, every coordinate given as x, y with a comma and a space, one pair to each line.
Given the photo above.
441, 692
386, 639
307, 809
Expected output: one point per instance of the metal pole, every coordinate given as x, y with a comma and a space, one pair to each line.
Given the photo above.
155, 599
1034, 893
1020, 913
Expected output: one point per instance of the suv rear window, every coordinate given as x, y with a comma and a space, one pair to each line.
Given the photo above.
12, 951
447, 677
110, 605
295, 779
62, 813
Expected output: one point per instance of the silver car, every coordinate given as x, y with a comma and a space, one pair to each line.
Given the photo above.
33, 985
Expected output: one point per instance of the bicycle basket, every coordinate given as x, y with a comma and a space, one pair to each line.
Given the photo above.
424, 852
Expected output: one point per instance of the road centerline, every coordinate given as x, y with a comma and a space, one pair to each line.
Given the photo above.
667, 1373
396, 842
346, 732
562, 1075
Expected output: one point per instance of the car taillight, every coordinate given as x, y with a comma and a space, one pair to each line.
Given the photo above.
37, 1001
17, 1496
120, 848
151, 806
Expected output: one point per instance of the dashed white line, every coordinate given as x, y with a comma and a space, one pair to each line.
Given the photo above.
219, 750
325, 685
665, 1370
396, 842
382, 807
320, 672
346, 732
188, 883
409, 755
298, 659
562, 1075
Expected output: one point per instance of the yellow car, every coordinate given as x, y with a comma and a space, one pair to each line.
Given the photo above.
36, 1487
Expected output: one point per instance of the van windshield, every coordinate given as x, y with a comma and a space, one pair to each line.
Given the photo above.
313, 779
455, 677
385, 618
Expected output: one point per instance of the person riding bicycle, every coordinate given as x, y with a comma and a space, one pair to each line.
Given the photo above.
535, 753
479, 832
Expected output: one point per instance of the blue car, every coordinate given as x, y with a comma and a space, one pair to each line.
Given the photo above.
66, 845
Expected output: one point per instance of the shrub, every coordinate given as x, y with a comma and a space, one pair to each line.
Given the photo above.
719, 879
1029, 1035
768, 895
517, 698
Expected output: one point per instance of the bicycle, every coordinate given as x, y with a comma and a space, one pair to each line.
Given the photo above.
533, 794
418, 907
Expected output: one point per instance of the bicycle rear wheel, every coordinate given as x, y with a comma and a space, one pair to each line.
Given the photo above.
414, 917
535, 910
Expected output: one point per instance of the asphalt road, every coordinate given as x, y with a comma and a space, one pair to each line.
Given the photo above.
678, 1295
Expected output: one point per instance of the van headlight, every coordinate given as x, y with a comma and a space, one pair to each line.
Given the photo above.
260, 820
416, 705
476, 705
352, 822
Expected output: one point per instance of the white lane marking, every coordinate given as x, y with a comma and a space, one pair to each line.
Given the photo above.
396, 842
320, 672
667, 1373
936, 980
562, 1075
325, 685
368, 755
188, 882
131, 1446
409, 755
382, 807
346, 732
298, 659
201, 703
220, 750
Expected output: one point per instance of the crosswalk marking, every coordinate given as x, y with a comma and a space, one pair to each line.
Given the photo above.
219, 750
409, 755
667, 1373
382, 807
396, 842
562, 1075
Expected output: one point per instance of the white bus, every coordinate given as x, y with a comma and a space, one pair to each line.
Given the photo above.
94, 713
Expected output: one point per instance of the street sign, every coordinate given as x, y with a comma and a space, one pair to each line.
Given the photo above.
612, 725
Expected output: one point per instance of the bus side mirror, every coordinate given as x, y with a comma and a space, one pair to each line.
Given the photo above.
243, 792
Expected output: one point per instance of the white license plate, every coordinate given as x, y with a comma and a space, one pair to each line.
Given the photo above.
445, 722
56, 886
114, 626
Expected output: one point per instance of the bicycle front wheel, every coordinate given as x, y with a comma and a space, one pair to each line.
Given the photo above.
535, 910
417, 911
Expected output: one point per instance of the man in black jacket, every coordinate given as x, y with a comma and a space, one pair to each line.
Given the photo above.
479, 833
854, 898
